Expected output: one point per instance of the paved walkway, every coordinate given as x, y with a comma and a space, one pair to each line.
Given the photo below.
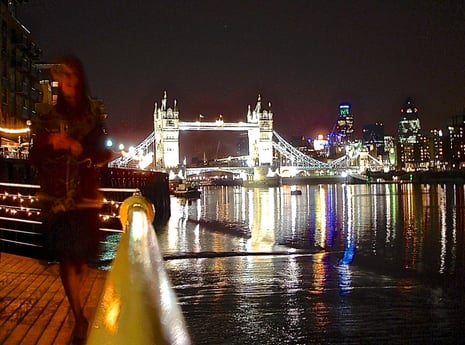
33, 305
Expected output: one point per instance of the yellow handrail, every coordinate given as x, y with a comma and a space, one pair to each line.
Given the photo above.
138, 305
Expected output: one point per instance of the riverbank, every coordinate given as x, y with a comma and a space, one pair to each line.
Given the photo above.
423, 177
420, 177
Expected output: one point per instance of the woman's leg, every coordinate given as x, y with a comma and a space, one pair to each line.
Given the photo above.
73, 275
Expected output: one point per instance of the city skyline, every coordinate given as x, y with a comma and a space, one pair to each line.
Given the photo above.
304, 57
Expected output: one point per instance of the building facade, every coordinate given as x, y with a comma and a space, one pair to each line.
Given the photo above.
456, 129
439, 150
19, 82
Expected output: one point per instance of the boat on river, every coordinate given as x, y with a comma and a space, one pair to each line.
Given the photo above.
188, 192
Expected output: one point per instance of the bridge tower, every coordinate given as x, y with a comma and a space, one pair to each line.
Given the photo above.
166, 130
260, 138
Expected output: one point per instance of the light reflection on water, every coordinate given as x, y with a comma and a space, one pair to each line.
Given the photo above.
418, 227
334, 264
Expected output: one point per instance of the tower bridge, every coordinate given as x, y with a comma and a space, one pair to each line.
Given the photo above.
160, 150
259, 128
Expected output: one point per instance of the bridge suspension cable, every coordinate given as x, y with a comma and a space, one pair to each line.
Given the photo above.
375, 160
131, 160
340, 163
294, 155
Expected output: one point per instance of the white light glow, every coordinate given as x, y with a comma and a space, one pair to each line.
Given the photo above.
15, 131
146, 160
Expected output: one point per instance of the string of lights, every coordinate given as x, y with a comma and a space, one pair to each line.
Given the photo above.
21, 216
20, 206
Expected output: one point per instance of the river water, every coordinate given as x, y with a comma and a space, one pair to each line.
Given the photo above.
338, 264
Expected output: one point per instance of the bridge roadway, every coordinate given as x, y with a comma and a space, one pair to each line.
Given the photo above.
218, 125
234, 170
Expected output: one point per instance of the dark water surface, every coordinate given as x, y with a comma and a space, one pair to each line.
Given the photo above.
339, 264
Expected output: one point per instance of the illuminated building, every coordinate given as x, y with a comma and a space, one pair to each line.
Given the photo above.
409, 123
320, 143
19, 89
414, 156
456, 128
390, 149
439, 149
413, 151
321, 146
406, 154
19, 84
166, 129
423, 158
345, 122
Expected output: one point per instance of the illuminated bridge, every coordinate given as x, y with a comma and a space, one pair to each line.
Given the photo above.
160, 150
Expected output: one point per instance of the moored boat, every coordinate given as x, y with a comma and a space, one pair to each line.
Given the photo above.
189, 192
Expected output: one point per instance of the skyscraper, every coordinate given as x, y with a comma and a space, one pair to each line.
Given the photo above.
409, 123
456, 129
345, 122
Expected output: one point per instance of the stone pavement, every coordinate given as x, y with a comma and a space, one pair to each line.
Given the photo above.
33, 305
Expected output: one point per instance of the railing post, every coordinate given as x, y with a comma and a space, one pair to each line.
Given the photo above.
138, 304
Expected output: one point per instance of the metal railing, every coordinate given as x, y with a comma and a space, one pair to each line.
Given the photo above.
138, 304
21, 219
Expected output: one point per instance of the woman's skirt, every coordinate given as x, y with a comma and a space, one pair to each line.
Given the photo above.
73, 235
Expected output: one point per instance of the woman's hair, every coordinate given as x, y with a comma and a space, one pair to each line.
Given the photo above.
82, 99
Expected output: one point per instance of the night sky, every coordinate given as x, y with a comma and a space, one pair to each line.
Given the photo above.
215, 57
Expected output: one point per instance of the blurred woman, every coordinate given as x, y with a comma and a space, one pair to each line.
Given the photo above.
68, 147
